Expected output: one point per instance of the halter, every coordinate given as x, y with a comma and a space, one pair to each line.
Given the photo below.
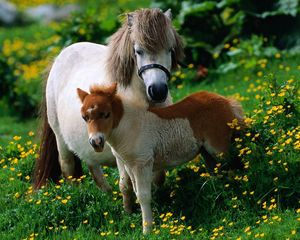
154, 65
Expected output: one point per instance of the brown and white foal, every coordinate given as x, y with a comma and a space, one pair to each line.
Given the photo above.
146, 141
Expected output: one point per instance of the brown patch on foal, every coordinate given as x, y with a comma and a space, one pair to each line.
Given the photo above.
208, 114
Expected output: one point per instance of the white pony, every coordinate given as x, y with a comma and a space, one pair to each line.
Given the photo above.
139, 58
146, 141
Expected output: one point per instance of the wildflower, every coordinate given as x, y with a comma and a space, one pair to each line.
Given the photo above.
132, 225
30, 134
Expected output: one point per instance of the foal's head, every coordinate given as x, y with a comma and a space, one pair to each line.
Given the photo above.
102, 111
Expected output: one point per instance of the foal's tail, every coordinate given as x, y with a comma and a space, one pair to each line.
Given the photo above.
47, 166
239, 115
238, 112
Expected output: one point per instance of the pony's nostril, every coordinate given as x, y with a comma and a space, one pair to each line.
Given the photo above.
158, 92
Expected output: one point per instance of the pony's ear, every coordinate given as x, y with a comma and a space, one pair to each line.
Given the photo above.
129, 19
81, 94
178, 51
168, 13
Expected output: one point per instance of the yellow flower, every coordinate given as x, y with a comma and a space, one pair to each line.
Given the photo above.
17, 138
132, 225
277, 55
30, 133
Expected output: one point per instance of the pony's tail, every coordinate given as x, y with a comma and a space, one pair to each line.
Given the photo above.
47, 165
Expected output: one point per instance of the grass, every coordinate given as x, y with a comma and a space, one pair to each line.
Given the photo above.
258, 202
191, 205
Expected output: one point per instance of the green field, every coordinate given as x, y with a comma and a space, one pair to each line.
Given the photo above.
191, 205
260, 201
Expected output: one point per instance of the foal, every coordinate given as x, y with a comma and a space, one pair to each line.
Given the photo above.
146, 141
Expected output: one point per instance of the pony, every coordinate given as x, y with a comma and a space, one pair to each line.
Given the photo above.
147, 141
139, 57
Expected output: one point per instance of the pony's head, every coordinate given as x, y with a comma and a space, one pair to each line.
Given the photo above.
102, 111
148, 45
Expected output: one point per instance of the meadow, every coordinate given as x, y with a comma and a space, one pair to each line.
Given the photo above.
260, 201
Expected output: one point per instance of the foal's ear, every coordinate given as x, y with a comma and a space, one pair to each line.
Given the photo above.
81, 94
112, 90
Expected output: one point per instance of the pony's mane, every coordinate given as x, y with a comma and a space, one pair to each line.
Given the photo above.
151, 29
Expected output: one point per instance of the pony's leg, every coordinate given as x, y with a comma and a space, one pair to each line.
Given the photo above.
66, 158
125, 186
141, 177
99, 178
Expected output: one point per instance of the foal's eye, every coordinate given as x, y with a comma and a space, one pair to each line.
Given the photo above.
85, 118
104, 115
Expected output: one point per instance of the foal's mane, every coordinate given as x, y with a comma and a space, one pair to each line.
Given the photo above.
150, 28
104, 90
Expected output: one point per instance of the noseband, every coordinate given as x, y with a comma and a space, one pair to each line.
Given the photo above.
154, 65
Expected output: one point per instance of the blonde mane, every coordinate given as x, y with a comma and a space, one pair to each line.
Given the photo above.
153, 31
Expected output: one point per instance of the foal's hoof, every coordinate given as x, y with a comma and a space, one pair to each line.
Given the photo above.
128, 209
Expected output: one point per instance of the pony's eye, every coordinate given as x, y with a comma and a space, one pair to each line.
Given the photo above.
139, 52
107, 115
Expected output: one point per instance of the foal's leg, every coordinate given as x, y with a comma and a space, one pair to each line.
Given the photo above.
99, 178
209, 158
141, 177
125, 186
159, 177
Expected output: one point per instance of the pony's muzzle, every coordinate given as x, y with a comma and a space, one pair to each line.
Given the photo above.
97, 142
158, 92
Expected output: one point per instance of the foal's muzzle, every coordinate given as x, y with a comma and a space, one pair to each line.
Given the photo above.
157, 88
97, 141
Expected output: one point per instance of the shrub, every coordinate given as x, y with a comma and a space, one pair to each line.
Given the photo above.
208, 25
